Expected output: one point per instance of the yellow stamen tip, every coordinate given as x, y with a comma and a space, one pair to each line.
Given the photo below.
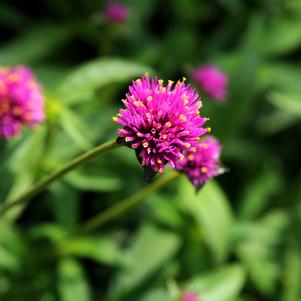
204, 169
183, 117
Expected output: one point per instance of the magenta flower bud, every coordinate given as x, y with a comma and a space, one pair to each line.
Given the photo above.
116, 12
21, 101
160, 122
188, 296
212, 81
204, 163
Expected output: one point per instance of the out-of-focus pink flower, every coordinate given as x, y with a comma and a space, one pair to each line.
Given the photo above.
160, 122
212, 81
21, 101
188, 296
204, 163
116, 12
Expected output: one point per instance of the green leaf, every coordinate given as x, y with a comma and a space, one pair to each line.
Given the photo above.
292, 275
72, 283
156, 294
97, 74
11, 247
257, 247
223, 284
149, 251
76, 128
65, 204
84, 181
102, 249
281, 37
24, 162
211, 210
286, 102
34, 44
260, 192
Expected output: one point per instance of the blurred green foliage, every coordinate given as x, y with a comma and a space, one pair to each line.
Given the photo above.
237, 239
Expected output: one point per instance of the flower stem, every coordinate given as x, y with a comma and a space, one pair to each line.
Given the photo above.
118, 209
43, 183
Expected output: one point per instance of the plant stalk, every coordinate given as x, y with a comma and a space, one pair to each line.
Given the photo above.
118, 209
43, 183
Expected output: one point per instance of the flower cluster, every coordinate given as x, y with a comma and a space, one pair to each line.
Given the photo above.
116, 12
188, 296
212, 81
161, 122
202, 164
21, 101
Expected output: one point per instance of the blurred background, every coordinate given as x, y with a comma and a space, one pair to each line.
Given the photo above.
238, 239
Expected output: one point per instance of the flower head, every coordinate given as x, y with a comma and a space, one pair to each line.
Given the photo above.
212, 81
116, 12
204, 163
188, 296
21, 101
160, 122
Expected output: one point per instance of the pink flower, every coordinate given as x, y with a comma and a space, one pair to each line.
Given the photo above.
21, 101
204, 163
212, 81
116, 12
188, 296
160, 122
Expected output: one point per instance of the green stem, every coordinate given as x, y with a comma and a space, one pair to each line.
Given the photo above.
112, 212
43, 183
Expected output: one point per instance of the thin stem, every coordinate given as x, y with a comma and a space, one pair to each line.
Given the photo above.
116, 210
43, 183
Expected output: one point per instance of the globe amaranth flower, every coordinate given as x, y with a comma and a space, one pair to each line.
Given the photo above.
204, 163
21, 101
160, 122
116, 12
188, 296
212, 81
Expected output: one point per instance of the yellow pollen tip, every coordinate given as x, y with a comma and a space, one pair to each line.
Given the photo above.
205, 145
164, 137
170, 82
168, 123
128, 139
186, 101
190, 157
159, 161
208, 129
188, 145
146, 74
150, 98
161, 81
145, 144
184, 78
183, 117
139, 134
115, 118
204, 169
161, 170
